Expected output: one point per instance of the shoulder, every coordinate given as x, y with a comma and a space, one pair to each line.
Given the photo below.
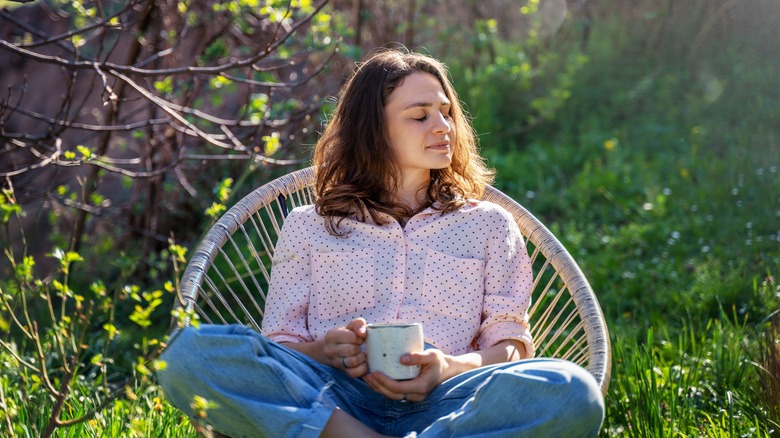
302, 216
486, 209
493, 219
303, 211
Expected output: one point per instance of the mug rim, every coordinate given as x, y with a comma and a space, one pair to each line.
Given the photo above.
394, 325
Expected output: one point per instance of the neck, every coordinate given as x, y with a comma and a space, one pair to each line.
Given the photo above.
411, 188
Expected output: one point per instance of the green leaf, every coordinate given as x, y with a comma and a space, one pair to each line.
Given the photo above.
178, 252
215, 210
85, 152
223, 189
97, 360
111, 330
272, 143
165, 86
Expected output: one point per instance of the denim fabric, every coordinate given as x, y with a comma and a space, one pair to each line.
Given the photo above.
262, 388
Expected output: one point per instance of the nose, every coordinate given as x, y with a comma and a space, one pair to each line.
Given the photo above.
443, 124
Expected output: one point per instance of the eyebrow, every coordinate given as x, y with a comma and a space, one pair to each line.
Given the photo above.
426, 104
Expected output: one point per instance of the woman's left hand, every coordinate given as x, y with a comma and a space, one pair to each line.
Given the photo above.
435, 368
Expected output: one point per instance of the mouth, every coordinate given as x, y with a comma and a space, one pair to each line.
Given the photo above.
442, 146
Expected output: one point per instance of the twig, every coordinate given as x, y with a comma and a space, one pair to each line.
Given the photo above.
42, 358
86, 126
126, 69
59, 400
13, 315
168, 108
61, 37
8, 347
284, 84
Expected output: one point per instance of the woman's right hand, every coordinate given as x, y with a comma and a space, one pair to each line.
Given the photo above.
342, 348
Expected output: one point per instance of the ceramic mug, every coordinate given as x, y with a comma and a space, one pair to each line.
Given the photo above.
386, 343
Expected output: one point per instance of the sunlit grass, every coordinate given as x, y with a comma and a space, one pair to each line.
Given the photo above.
663, 179
147, 415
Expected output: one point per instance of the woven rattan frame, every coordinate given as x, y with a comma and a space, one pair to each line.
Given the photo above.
227, 277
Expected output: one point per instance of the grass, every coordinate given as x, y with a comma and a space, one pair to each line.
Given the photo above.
663, 179
144, 416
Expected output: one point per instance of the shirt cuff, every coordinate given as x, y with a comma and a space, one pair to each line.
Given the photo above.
279, 338
501, 331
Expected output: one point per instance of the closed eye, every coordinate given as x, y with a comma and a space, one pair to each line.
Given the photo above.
447, 116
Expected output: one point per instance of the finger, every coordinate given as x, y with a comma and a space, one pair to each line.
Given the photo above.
420, 358
337, 351
393, 386
354, 366
350, 350
377, 384
341, 335
379, 387
417, 388
352, 333
351, 361
358, 371
358, 326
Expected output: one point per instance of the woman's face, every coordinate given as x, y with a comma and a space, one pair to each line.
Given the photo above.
419, 126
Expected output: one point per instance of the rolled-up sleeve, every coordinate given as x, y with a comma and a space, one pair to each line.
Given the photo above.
287, 304
508, 281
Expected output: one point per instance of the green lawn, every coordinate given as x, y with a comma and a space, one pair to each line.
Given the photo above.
658, 168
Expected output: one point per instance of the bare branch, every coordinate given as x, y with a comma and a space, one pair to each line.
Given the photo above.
85, 126
42, 163
118, 68
58, 38
317, 71
42, 359
9, 348
185, 182
168, 108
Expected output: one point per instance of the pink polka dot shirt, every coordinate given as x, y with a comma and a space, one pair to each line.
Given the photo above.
465, 275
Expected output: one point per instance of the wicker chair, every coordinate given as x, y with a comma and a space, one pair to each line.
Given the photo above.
227, 277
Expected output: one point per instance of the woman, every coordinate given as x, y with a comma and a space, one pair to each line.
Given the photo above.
395, 236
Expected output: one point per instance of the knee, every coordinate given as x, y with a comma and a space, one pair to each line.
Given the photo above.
586, 394
565, 392
183, 348
197, 354
580, 400
180, 359
176, 377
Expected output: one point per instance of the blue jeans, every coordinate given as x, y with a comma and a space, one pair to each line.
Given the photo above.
262, 388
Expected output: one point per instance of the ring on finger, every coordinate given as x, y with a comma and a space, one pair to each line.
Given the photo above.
405, 399
344, 361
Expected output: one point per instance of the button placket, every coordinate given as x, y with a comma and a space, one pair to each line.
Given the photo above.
399, 283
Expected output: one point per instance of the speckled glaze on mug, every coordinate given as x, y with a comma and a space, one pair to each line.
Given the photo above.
386, 343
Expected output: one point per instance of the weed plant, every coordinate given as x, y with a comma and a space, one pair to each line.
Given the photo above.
657, 164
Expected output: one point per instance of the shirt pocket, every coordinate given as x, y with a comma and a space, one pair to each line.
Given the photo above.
453, 286
343, 281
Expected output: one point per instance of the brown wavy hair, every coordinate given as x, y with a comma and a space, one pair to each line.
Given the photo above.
355, 167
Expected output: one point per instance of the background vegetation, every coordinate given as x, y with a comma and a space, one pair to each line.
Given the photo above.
644, 133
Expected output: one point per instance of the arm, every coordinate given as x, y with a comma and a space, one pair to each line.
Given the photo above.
436, 367
287, 305
340, 346
508, 286
508, 350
